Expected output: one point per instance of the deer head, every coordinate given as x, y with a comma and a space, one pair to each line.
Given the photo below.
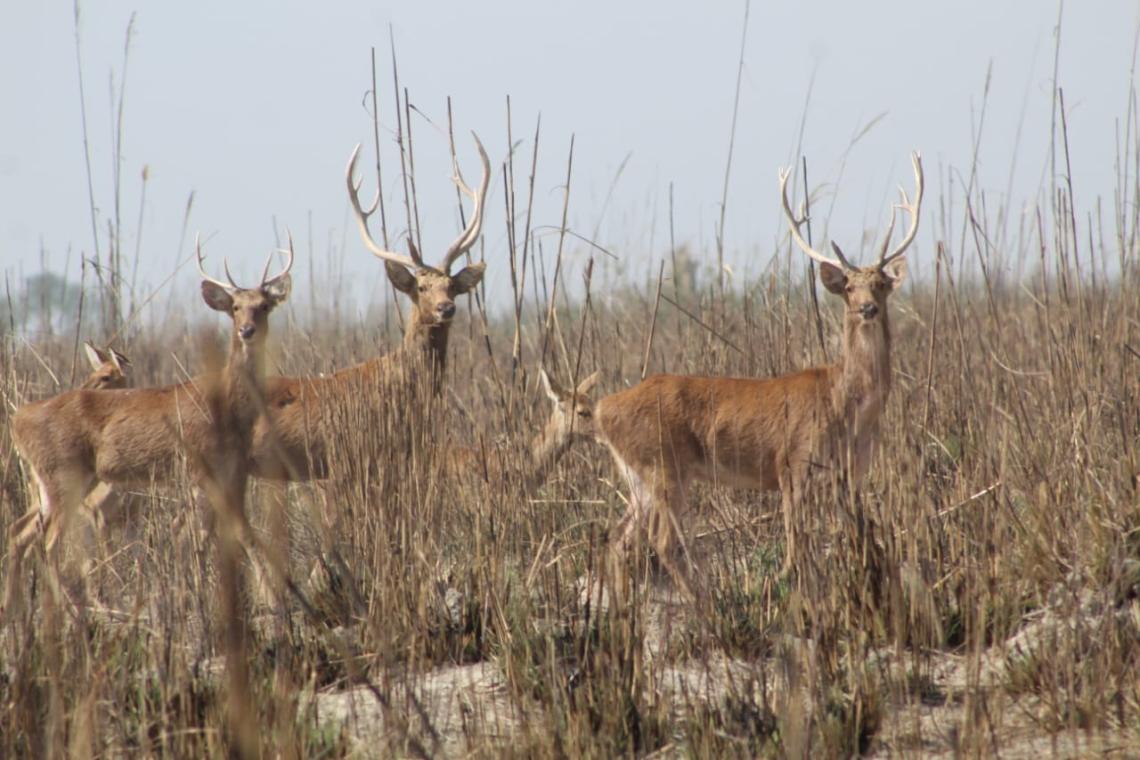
864, 290
573, 409
248, 307
108, 368
432, 289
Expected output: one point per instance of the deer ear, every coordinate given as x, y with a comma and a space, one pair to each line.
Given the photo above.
94, 357
216, 297
896, 272
588, 384
401, 278
120, 361
553, 391
468, 277
832, 277
278, 288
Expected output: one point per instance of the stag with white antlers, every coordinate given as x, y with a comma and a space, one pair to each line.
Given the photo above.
290, 440
766, 434
80, 438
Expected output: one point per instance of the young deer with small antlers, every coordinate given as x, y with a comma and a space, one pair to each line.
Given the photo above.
108, 368
766, 434
74, 440
290, 439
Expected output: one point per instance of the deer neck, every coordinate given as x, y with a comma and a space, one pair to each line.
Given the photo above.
428, 343
244, 380
863, 374
546, 449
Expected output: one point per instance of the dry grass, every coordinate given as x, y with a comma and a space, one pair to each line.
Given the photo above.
979, 593
981, 588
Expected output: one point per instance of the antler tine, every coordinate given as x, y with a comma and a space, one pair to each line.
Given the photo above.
412, 262
475, 224
910, 208
794, 225
269, 260
890, 231
457, 178
202, 271
226, 266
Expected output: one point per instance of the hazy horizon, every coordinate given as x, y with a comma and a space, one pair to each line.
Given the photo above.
254, 108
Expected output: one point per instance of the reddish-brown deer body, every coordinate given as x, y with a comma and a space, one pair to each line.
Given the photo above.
766, 434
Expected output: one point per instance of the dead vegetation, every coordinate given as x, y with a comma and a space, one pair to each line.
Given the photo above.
979, 593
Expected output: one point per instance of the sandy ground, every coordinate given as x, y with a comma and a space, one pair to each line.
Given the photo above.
470, 705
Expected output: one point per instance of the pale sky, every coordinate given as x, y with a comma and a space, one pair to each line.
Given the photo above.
255, 106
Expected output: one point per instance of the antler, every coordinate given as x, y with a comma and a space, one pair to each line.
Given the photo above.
471, 234
795, 224
202, 272
265, 283
910, 208
233, 286
412, 262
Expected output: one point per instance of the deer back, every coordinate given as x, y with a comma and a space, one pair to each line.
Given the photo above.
735, 430
115, 435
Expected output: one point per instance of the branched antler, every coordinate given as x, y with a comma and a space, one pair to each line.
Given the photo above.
412, 262
794, 225
475, 224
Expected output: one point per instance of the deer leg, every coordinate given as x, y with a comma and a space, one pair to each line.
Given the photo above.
94, 538
793, 481
20, 537
789, 505
669, 538
58, 498
269, 563
640, 507
625, 538
277, 551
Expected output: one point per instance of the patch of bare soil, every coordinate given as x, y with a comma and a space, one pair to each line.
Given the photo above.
444, 711
958, 704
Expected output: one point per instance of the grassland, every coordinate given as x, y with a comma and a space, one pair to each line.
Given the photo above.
979, 594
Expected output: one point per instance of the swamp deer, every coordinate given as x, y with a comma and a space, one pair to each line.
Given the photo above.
290, 441
109, 371
109, 368
766, 434
571, 418
80, 438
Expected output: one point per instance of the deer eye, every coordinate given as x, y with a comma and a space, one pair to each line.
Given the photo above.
584, 413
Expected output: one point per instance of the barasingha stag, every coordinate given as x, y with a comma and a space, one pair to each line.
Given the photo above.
766, 434
292, 440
